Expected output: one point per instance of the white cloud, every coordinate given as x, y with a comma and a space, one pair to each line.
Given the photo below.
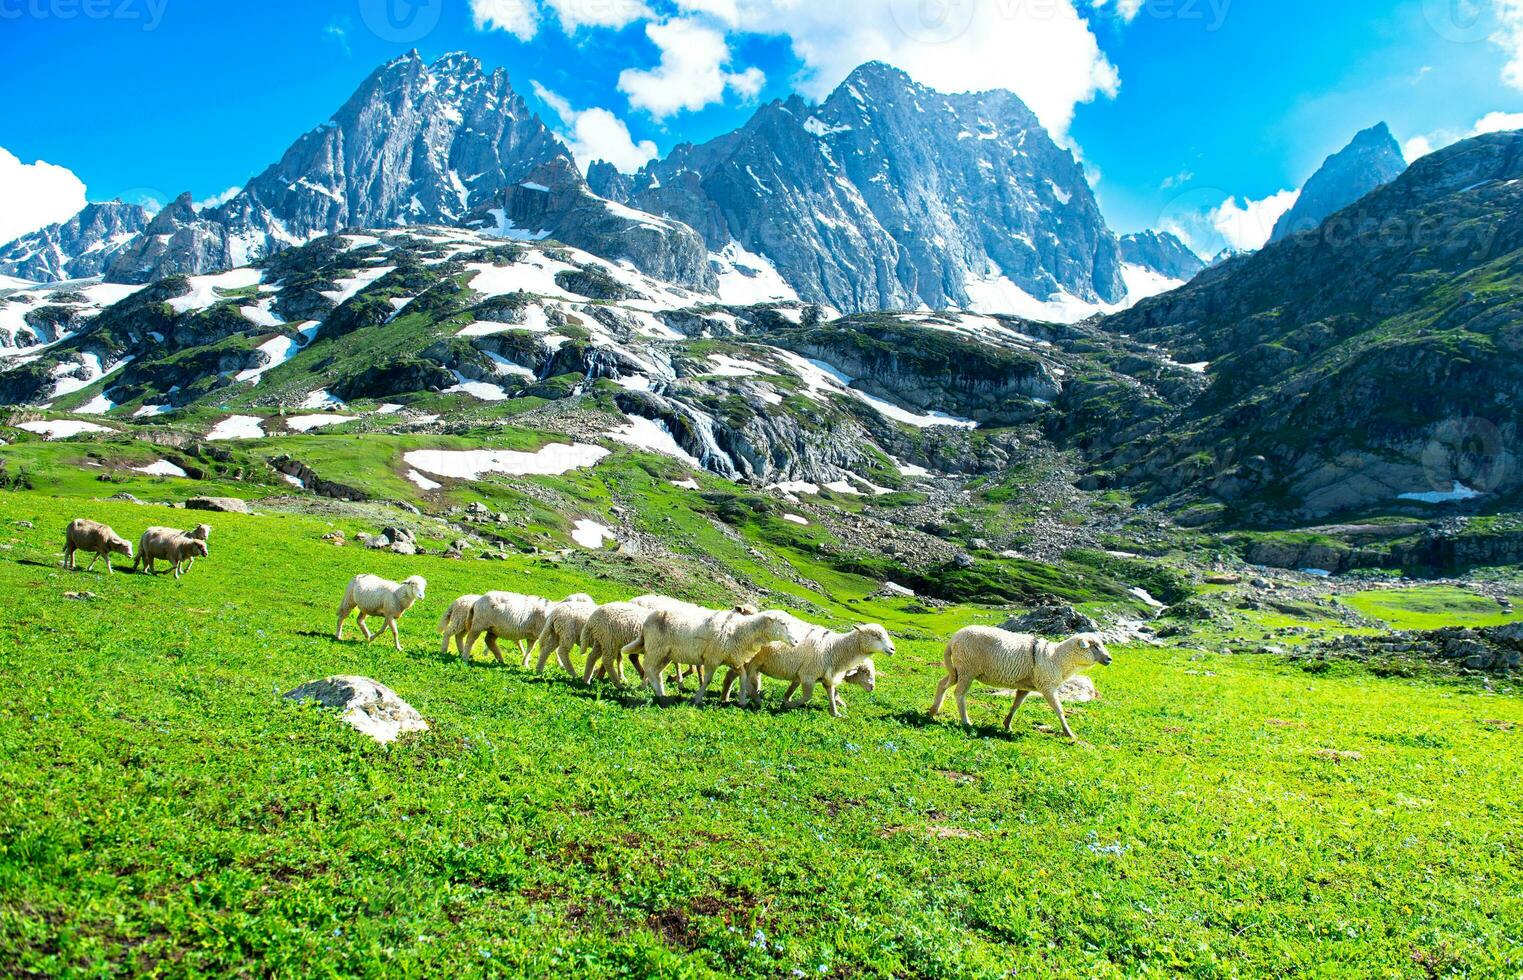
1497, 122
1177, 180
217, 199
597, 134
1416, 148
575, 14
34, 195
691, 73
1127, 10
518, 17
1509, 37
1247, 226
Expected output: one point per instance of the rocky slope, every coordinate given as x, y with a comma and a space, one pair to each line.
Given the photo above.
1358, 370
1162, 253
889, 195
1372, 159
75, 249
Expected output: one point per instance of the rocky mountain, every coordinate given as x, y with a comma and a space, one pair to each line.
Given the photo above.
1368, 369
75, 249
889, 195
1161, 253
1371, 160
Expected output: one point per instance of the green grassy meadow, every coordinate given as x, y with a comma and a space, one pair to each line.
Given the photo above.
163, 811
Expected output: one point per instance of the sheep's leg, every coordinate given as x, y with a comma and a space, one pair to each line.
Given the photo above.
471, 636
654, 668
496, 650
962, 700
593, 659
705, 677
834, 698
177, 571
360, 622
563, 654
808, 694
1057, 707
525, 650
68, 556
344, 610
396, 637
792, 689
1015, 705
941, 693
729, 684
109, 569
544, 658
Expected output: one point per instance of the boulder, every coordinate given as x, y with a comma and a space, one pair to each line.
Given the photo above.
1078, 690
1052, 621
369, 707
219, 505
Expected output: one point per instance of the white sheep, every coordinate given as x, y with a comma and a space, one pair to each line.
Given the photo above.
610, 628
98, 539
203, 533
456, 624
168, 544
819, 657
376, 596
864, 676
510, 616
1017, 661
563, 632
707, 640
653, 601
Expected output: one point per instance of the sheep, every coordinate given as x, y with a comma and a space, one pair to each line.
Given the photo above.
1014, 660
456, 624
510, 616
98, 539
654, 602
201, 532
707, 640
820, 656
169, 545
864, 676
563, 632
376, 596
608, 631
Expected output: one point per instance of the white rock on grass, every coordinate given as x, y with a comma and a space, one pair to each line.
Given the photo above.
369, 707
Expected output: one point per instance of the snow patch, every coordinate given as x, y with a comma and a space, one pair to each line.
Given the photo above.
161, 468
472, 464
62, 428
236, 427
590, 534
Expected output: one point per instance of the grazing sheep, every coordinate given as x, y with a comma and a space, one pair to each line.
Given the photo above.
96, 538
509, 616
169, 545
709, 640
820, 656
563, 632
1015, 660
201, 532
609, 630
376, 596
456, 624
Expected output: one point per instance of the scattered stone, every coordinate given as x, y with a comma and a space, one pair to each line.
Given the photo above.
219, 505
125, 498
963, 561
395, 534
1225, 579
368, 706
404, 548
378, 542
335, 538
894, 590
28, 525
80, 596
1078, 690
460, 544
1052, 621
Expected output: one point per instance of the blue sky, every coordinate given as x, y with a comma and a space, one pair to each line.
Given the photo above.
1177, 106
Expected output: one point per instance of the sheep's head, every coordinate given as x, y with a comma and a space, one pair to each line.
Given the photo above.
201, 531
875, 638
198, 548
419, 584
776, 626
579, 597
865, 677
1091, 649
745, 609
120, 546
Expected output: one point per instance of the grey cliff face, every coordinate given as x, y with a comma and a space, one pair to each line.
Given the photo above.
78, 248
889, 195
1373, 159
1163, 253
416, 144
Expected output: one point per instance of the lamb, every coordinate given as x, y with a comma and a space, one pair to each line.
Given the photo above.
1015, 660
654, 602
510, 616
201, 532
563, 632
819, 657
864, 676
376, 596
456, 624
98, 539
609, 630
706, 640
169, 545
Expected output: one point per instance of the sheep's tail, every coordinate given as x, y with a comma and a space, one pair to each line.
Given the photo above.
455, 620
544, 635
946, 660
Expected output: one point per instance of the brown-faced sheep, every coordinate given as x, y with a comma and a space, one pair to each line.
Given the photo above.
1016, 661
168, 544
96, 538
707, 641
376, 596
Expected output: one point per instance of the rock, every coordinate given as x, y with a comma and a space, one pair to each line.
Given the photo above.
1052, 621
404, 548
963, 561
377, 543
80, 596
25, 524
125, 497
1078, 690
219, 505
335, 538
1226, 579
368, 706
396, 534
460, 544
895, 589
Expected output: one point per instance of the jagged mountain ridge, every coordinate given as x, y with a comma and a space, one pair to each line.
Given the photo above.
889, 195
1163, 253
1372, 159
78, 248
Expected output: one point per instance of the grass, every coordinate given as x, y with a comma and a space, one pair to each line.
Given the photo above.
163, 810
1429, 608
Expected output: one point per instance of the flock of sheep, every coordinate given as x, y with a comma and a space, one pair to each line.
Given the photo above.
656, 633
